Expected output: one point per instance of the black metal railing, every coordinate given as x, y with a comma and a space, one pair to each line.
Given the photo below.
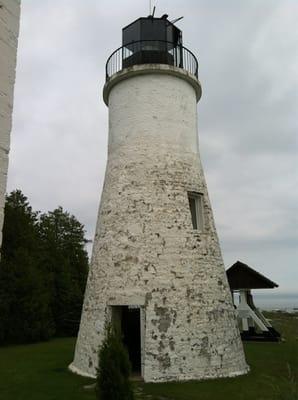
151, 52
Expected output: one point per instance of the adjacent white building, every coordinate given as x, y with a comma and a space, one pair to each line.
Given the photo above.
9, 32
157, 270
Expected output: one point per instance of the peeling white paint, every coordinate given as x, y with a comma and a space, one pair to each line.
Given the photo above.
145, 243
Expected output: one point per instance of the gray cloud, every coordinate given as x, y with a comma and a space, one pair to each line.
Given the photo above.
247, 116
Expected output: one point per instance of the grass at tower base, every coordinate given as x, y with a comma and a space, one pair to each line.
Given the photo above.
39, 372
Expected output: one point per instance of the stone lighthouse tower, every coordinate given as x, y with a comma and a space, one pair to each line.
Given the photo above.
156, 268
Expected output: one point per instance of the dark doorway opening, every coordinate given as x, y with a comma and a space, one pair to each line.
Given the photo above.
129, 318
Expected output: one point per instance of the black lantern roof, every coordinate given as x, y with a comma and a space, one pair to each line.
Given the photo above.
151, 29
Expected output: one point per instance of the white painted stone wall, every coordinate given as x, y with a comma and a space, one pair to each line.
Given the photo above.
145, 251
9, 31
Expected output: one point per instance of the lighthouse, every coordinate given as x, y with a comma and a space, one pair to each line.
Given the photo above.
156, 269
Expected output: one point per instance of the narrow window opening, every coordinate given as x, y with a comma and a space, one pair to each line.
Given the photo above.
196, 210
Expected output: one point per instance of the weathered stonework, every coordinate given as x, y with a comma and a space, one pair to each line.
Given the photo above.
145, 251
9, 31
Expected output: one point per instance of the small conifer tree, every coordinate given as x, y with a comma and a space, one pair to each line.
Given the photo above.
113, 369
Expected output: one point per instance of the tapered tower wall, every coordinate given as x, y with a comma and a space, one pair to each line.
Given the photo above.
146, 252
9, 31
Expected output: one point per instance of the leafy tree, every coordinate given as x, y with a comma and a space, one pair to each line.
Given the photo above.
25, 313
66, 261
19, 228
114, 369
43, 272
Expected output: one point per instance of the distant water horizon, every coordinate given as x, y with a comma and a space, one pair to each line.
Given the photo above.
273, 301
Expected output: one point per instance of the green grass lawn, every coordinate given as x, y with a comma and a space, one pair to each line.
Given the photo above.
39, 372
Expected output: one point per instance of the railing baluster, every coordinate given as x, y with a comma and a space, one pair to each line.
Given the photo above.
181, 56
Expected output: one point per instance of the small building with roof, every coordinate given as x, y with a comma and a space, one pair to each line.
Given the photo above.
252, 323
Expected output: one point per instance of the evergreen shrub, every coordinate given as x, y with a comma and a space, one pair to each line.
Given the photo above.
113, 369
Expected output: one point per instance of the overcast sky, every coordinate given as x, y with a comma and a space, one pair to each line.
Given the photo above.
248, 67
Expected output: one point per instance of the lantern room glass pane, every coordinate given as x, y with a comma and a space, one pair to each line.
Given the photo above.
153, 29
131, 33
